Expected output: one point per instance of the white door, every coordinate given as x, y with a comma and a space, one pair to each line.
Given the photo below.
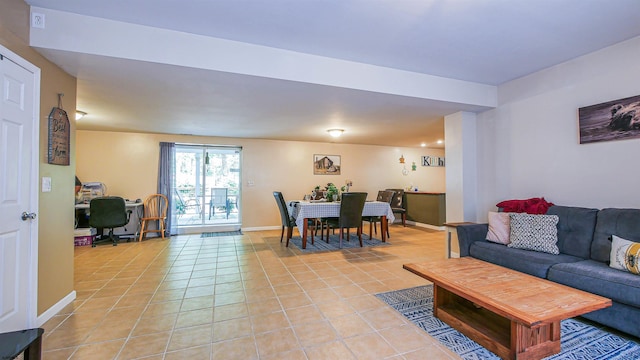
17, 242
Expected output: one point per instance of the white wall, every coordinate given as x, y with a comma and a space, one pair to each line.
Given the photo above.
529, 145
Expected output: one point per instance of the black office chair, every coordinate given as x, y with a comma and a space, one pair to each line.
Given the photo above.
108, 212
351, 206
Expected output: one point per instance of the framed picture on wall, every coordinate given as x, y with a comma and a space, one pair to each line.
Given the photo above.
612, 120
326, 164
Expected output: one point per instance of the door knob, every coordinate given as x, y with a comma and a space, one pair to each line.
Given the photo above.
26, 216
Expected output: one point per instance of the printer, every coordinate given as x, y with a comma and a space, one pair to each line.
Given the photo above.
92, 190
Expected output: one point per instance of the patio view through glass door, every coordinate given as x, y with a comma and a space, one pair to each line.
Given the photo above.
207, 188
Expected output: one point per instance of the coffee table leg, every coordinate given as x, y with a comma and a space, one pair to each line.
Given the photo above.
535, 343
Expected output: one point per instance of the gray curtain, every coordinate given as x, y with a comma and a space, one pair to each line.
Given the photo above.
166, 182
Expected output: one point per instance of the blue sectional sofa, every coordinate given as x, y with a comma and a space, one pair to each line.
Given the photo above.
584, 240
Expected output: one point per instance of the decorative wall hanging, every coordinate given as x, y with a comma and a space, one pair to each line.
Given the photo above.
432, 161
326, 164
59, 135
612, 120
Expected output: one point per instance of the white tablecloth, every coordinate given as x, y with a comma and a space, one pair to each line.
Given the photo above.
301, 210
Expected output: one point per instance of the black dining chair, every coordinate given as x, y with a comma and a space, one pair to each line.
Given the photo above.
398, 206
383, 196
289, 222
351, 206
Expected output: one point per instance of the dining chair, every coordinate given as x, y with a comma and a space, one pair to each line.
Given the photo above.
351, 206
383, 196
155, 209
398, 205
288, 221
108, 212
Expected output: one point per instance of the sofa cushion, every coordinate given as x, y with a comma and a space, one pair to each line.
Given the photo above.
598, 278
575, 229
624, 223
625, 255
499, 227
529, 262
534, 232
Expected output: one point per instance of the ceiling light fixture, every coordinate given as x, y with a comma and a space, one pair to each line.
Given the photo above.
440, 142
80, 114
335, 132
423, 145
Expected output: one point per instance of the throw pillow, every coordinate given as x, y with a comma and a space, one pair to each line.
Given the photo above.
537, 206
625, 255
498, 227
534, 232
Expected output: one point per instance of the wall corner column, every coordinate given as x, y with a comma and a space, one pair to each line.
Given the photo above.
461, 166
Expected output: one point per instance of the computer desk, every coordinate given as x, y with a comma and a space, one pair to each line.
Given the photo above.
132, 228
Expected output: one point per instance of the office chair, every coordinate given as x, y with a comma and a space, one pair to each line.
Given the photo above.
108, 212
155, 209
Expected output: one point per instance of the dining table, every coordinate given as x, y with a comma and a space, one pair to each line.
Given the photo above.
303, 210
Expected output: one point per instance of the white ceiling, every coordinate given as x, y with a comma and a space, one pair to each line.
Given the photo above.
487, 42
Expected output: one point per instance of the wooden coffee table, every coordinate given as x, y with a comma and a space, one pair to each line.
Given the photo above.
512, 314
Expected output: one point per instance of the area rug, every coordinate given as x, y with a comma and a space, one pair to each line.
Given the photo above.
221, 233
334, 243
579, 341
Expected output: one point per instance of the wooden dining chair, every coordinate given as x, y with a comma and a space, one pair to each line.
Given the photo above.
383, 196
351, 206
155, 209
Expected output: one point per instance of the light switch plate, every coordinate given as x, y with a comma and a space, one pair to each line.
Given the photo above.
46, 184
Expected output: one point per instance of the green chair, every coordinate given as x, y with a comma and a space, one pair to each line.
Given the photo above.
384, 196
351, 206
108, 212
289, 222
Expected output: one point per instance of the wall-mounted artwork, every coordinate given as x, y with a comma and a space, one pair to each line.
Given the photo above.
59, 132
326, 164
432, 161
612, 120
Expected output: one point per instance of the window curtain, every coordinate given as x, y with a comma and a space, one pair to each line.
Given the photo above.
166, 182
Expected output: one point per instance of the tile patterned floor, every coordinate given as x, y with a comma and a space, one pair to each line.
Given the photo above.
242, 297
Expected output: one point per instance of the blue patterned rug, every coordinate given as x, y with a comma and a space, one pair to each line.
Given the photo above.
579, 341
334, 243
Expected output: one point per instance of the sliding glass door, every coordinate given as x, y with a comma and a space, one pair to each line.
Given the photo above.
207, 188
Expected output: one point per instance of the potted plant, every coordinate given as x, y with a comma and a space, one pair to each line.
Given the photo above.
331, 191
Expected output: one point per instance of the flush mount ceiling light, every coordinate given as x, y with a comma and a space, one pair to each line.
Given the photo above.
80, 114
335, 132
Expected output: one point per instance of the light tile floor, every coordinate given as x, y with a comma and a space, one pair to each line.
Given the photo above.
242, 297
